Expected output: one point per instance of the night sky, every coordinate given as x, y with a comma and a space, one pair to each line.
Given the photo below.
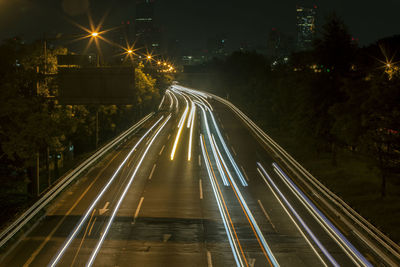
193, 22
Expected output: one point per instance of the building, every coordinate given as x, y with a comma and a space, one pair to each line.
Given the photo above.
147, 35
279, 45
305, 26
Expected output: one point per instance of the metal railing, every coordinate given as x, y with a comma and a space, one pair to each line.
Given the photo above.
22, 220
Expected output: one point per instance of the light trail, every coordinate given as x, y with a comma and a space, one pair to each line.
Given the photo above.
192, 109
176, 101
208, 107
171, 100
265, 175
111, 219
181, 126
223, 211
162, 101
321, 218
220, 170
191, 132
91, 207
237, 170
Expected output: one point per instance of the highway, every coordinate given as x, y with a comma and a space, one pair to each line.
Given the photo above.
194, 185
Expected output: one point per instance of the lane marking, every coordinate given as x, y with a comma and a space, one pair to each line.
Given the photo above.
199, 160
138, 209
169, 136
104, 209
152, 171
201, 189
209, 259
162, 149
266, 215
233, 150
245, 175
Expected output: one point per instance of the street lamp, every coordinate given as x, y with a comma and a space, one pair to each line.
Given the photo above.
95, 34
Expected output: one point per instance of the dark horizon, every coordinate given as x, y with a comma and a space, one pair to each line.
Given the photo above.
195, 22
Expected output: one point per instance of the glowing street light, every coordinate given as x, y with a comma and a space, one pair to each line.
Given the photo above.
130, 51
95, 34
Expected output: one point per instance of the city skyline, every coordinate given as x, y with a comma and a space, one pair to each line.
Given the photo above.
195, 22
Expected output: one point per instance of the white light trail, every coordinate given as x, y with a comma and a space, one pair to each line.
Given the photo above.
229, 233
237, 170
107, 228
162, 101
219, 167
264, 174
321, 218
89, 210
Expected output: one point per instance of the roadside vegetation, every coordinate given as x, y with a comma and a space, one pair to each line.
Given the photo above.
34, 126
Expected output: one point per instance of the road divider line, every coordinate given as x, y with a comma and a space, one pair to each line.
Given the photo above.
266, 215
233, 150
161, 151
138, 209
199, 160
245, 175
152, 171
209, 259
169, 136
201, 189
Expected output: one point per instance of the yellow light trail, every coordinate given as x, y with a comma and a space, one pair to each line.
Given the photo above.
181, 124
191, 132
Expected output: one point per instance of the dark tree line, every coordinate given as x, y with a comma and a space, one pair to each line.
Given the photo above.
336, 96
34, 126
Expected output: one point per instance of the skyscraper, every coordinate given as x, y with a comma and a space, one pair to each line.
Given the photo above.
146, 33
305, 26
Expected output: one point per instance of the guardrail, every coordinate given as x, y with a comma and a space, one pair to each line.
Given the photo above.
372, 231
22, 220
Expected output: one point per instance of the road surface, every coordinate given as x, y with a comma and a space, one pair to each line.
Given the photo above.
192, 187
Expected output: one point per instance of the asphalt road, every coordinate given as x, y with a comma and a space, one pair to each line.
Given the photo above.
140, 207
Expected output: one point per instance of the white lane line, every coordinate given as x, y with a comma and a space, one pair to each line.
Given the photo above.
209, 259
233, 150
199, 160
245, 175
162, 149
169, 136
201, 189
227, 137
138, 209
152, 171
266, 215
